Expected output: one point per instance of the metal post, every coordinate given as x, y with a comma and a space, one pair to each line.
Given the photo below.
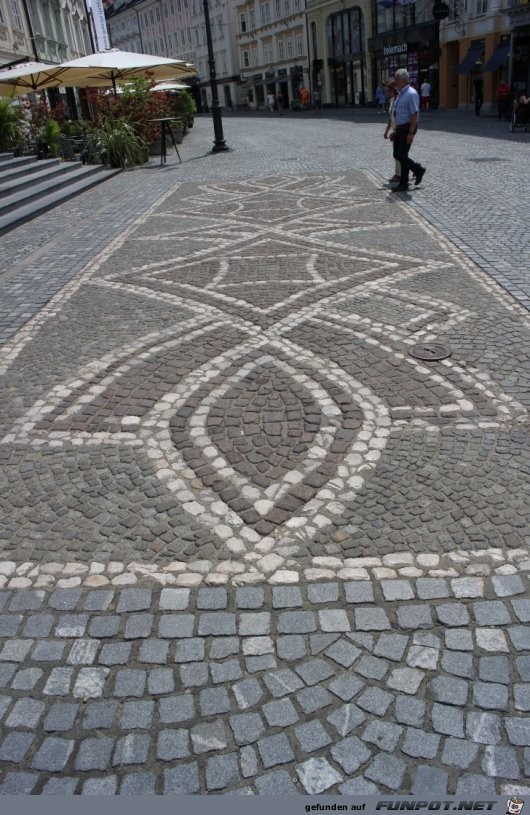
219, 143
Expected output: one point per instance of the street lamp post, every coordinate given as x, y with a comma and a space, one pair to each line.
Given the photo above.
219, 143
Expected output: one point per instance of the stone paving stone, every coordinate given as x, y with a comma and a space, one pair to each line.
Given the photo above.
507, 585
94, 754
291, 647
449, 690
194, 674
317, 775
483, 728
174, 599
432, 588
468, 586
520, 637
282, 682
521, 694
134, 600
60, 786
448, 720
343, 652
222, 772
18, 783
172, 744
414, 616
375, 700
138, 784
453, 614
153, 651
138, 626
61, 716
312, 736
430, 781
15, 746
26, 600
522, 610
83, 652
104, 626
491, 612
71, 625
208, 736
296, 622
396, 590
176, 709
16, 650
5, 701
137, 715
286, 597
100, 786
58, 682
212, 598
391, 646
9, 624
131, 749
256, 646
280, 713
25, 713
350, 753
494, 669
227, 671
220, 647
458, 663
249, 597
490, 696
386, 770
64, 599
314, 671
129, 682
248, 693
501, 762
371, 619
491, 639
182, 780
409, 711
523, 667
254, 623
160, 680
115, 653
518, 731
346, 718
311, 699
213, 701
190, 650
176, 625
277, 782
248, 761
358, 786
419, 744
407, 680
26, 679
38, 625
100, 714
459, 753
98, 600
371, 667
323, 592
459, 639
260, 663
52, 754
383, 734
216, 623
246, 727
359, 592
275, 750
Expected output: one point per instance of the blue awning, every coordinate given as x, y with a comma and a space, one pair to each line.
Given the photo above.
469, 60
498, 57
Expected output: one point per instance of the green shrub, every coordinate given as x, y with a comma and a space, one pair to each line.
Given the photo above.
116, 143
12, 132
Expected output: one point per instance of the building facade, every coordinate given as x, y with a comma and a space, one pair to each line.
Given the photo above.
15, 36
60, 29
222, 14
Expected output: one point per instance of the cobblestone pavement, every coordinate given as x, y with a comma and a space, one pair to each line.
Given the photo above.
248, 544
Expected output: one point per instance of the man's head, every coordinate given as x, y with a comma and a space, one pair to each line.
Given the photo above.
401, 78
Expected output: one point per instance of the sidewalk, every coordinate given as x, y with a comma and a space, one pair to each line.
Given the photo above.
249, 543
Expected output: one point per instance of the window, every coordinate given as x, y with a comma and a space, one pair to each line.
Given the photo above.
482, 7
246, 59
157, 14
299, 45
289, 47
279, 46
165, 10
183, 37
243, 23
2, 21
264, 13
296, 5
15, 11
287, 7
197, 37
152, 17
188, 32
252, 19
277, 9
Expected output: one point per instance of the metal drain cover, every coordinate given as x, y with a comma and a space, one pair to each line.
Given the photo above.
429, 351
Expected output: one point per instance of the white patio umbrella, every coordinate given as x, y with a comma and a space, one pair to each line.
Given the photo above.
170, 86
29, 77
109, 67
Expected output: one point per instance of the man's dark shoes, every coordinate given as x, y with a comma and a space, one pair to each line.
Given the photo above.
400, 188
419, 175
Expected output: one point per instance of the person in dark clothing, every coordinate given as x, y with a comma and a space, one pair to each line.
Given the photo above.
478, 84
406, 112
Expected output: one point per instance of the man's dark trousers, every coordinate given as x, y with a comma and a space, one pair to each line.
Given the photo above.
401, 154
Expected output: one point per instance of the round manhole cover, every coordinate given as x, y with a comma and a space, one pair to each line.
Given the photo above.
429, 351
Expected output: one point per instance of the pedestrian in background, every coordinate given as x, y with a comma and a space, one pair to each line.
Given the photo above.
279, 101
407, 112
391, 128
270, 101
380, 98
317, 99
503, 101
425, 93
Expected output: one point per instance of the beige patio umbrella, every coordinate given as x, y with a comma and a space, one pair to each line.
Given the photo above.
29, 77
170, 86
108, 68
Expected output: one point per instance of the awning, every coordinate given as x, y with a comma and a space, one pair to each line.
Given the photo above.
469, 60
497, 58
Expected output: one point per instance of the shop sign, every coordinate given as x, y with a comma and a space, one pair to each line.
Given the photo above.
390, 50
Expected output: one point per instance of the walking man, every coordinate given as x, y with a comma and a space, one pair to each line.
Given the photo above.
406, 112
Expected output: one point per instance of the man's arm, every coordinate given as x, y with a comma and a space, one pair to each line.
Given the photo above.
413, 126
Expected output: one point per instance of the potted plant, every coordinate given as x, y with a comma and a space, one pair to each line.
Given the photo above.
49, 139
115, 143
11, 126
